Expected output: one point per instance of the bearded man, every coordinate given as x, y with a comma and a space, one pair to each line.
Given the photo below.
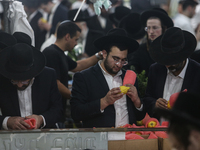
96, 97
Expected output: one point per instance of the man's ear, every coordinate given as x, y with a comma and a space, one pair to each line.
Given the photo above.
67, 37
194, 139
104, 54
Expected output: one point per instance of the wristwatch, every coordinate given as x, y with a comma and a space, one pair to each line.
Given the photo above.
97, 55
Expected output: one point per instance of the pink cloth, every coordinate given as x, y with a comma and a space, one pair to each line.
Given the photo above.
129, 77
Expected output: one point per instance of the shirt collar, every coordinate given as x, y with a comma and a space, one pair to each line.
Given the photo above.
105, 73
182, 73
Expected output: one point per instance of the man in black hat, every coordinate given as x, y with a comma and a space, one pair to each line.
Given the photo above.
184, 126
174, 71
96, 97
28, 89
155, 22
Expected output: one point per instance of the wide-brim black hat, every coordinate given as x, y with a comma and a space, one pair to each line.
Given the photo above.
172, 47
120, 12
82, 16
116, 35
22, 37
131, 23
186, 109
6, 40
159, 13
21, 62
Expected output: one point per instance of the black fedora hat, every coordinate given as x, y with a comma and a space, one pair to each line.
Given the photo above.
21, 62
82, 16
22, 37
173, 47
159, 13
116, 35
120, 12
185, 109
6, 40
131, 23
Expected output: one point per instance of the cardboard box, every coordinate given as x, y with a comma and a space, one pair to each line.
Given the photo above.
142, 144
165, 144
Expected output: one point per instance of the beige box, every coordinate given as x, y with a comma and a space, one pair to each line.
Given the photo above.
141, 144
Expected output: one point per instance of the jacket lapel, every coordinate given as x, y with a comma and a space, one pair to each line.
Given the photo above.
100, 77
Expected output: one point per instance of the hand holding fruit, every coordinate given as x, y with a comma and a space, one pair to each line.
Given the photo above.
110, 98
133, 95
161, 103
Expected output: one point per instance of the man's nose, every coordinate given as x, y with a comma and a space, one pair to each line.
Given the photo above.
19, 84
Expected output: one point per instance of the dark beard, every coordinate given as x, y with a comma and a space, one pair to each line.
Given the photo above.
109, 70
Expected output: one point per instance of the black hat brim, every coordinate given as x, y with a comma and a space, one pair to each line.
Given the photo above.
100, 43
166, 20
38, 65
160, 57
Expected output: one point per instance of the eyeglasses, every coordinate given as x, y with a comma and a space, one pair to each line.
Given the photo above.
23, 82
154, 28
117, 60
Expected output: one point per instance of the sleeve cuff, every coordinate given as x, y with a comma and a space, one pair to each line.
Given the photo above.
101, 111
141, 108
44, 122
4, 124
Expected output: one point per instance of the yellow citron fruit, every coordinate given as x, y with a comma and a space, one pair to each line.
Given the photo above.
139, 123
168, 105
124, 89
43, 20
151, 124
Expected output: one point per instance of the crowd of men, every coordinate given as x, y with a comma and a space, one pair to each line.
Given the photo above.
34, 78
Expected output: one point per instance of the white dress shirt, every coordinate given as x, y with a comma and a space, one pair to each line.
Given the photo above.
173, 84
25, 104
119, 105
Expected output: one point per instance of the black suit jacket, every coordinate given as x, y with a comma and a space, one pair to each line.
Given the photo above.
156, 83
46, 99
39, 34
60, 15
89, 86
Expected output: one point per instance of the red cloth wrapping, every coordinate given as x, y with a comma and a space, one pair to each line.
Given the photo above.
129, 77
31, 122
173, 98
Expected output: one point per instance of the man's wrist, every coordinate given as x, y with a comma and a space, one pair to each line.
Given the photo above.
99, 55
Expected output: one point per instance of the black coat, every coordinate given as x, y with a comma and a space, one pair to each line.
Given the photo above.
156, 83
60, 15
89, 86
46, 99
39, 34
